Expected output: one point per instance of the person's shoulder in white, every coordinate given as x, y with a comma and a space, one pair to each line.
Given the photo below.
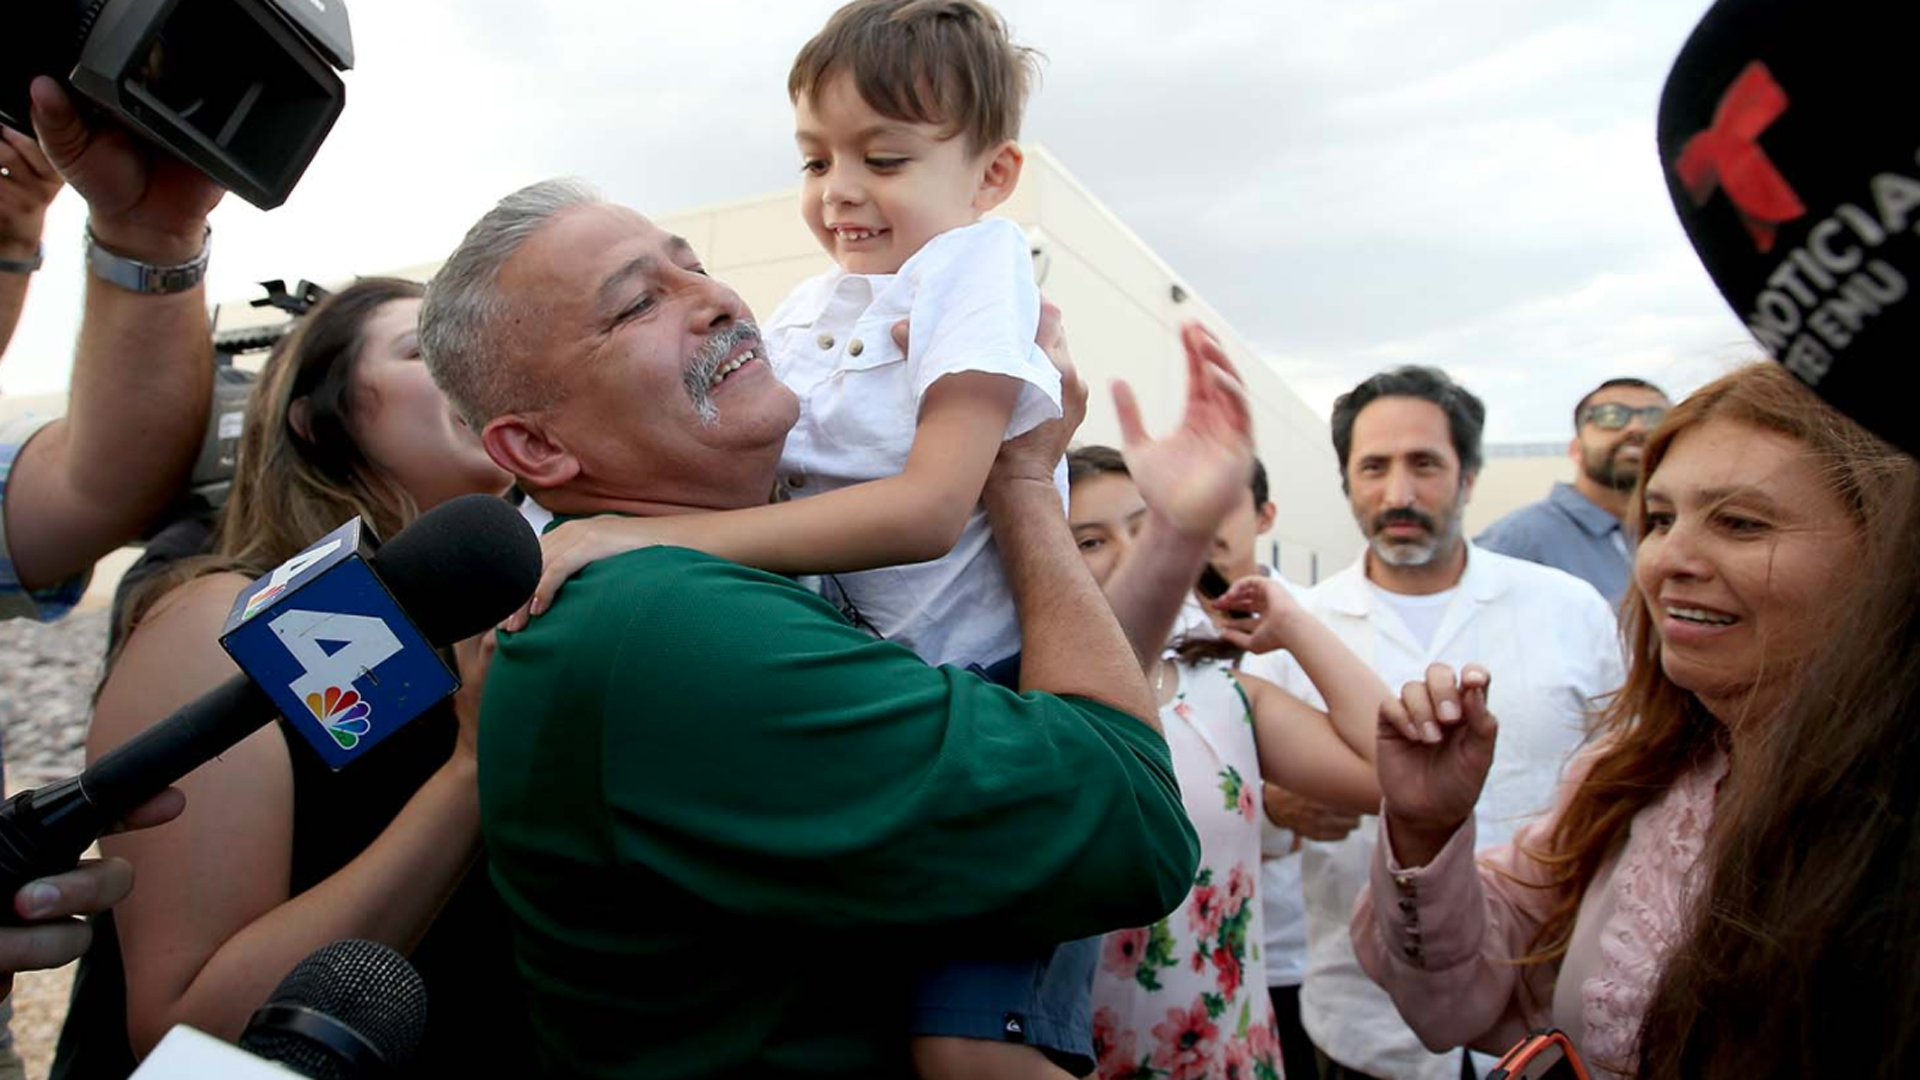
1540, 583
1319, 596
801, 306
1571, 614
989, 240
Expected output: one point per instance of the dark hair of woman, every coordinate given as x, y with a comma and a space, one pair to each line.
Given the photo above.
299, 473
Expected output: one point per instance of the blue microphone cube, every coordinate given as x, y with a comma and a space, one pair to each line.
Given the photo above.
327, 642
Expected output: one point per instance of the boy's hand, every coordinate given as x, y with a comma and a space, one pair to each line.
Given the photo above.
566, 549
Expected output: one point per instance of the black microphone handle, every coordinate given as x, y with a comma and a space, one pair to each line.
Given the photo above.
193, 735
45, 831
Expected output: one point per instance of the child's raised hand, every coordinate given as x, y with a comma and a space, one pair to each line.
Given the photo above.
1268, 609
567, 548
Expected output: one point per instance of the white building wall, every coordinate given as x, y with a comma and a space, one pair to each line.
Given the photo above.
1122, 322
1512, 477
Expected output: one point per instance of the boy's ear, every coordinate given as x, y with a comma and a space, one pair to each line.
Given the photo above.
999, 176
522, 446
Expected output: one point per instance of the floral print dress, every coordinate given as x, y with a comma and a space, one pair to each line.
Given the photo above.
1186, 998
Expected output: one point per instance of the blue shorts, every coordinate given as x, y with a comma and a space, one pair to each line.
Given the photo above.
1045, 1002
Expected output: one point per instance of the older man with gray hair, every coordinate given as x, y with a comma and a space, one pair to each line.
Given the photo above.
728, 823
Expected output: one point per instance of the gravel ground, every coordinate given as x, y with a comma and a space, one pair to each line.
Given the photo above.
47, 678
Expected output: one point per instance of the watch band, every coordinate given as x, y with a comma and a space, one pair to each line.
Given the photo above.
24, 266
136, 276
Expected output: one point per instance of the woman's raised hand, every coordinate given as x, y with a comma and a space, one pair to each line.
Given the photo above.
1435, 747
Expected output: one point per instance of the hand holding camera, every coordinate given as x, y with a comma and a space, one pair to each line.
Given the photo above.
143, 202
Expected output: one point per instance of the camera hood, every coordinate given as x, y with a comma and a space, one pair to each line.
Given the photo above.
243, 90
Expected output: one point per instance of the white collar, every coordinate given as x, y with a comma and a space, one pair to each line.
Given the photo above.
1482, 582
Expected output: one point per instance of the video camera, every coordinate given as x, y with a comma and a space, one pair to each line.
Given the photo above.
242, 90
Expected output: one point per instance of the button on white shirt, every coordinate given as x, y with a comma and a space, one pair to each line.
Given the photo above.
1552, 647
973, 304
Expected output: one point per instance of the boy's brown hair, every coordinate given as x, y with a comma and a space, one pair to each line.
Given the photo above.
947, 62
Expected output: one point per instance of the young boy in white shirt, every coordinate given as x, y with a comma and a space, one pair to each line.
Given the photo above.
906, 114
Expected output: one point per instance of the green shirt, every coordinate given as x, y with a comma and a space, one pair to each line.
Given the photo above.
730, 826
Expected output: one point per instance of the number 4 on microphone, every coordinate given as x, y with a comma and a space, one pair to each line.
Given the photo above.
333, 649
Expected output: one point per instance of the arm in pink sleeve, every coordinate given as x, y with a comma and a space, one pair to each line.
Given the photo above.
1442, 939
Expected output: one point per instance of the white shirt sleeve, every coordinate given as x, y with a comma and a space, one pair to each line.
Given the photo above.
1608, 672
976, 307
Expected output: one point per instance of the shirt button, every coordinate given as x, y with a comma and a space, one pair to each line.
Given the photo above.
1413, 950
797, 480
1404, 882
855, 348
826, 341
1406, 905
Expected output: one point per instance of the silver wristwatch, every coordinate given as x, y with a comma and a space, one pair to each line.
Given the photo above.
136, 276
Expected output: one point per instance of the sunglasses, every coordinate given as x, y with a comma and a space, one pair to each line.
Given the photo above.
1613, 416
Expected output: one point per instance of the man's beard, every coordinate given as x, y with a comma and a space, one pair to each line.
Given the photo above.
1442, 536
706, 363
1608, 472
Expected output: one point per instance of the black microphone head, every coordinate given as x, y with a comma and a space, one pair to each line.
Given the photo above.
461, 567
361, 986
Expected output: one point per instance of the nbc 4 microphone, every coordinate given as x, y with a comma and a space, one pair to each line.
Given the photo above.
352, 1010
343, 650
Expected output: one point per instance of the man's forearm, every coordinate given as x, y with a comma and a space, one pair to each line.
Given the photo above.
142, 385
136, 413
1152, 584
1070, 642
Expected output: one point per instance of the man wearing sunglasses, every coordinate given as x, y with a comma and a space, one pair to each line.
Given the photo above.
1580, 527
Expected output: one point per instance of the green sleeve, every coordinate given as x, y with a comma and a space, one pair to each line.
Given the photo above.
763, 754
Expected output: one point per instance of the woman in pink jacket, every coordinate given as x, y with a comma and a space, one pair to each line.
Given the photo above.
1759, 508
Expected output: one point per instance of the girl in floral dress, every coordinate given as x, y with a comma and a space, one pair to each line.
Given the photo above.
1186, 997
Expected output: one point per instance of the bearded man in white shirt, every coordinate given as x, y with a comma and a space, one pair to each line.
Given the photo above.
1408, 441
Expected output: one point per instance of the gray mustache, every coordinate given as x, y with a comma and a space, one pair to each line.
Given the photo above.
706, 363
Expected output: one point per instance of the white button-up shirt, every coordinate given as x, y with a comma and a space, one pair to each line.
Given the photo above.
1554, 652
974, 306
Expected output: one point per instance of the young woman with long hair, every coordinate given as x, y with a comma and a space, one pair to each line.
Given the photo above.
277, 855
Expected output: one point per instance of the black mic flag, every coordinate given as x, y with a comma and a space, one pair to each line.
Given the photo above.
1793, 159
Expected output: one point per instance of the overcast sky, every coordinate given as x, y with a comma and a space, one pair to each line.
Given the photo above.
1356, 184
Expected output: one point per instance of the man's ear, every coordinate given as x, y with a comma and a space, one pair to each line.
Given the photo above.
1575, 455
1263, 517
522, 446
999, 176
1467, 480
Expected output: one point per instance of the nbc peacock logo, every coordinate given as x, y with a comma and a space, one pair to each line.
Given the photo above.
343, 714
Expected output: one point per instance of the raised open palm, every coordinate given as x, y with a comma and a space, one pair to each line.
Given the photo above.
1198, 474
